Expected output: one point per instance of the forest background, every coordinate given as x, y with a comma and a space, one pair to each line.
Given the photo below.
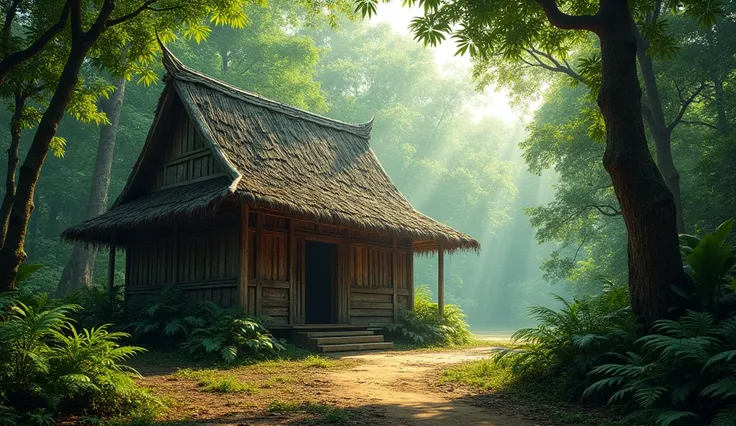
533, 192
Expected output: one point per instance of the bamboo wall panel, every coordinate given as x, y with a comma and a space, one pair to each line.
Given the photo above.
274, 257
371, 267
186, 157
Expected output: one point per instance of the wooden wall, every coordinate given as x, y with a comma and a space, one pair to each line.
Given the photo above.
200, 258
204, 259
186, 157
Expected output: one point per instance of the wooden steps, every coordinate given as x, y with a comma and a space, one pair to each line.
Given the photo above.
342, 340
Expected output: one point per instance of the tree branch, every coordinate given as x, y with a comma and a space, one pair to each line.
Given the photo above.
556, 67
685, 103
8, 23
145, 6
612, 211
11, 61
700, 123
564, 21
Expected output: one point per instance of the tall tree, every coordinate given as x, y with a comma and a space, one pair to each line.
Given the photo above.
79, 269
97, 31
648, 207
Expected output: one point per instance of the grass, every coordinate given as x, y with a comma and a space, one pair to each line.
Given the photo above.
324, 413
474, 343
486, 376
212, 381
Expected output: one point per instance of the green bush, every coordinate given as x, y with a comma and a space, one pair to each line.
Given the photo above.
204, 330
97, 306
684, 374
710, 262
425, 326
164, 320
48, 368
571, 341
229, 334
685, 371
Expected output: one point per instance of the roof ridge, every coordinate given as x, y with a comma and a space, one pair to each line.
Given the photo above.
176, 69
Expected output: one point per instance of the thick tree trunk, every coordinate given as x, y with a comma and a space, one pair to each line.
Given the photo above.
661, 133
13, 253
79, 269
9, 197
648, 206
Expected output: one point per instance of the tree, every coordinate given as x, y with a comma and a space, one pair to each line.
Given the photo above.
648, 207
98, 33
80, 267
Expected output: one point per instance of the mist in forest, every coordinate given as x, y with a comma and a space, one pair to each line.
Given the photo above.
437, 138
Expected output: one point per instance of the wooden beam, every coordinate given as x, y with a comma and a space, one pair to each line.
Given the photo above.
292, 274
244, 256
410, 275
111, 271
441, 278
395, 275
259, 263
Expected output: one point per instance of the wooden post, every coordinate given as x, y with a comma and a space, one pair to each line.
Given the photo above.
394, 275
441, 278
292, 274
244, 256
259, 264
410, 274
111, 271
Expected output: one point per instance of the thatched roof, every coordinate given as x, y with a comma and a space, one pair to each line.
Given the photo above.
283, 158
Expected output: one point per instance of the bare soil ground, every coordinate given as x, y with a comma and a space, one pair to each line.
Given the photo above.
371, 388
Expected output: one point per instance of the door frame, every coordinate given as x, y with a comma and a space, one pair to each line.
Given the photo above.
338, 287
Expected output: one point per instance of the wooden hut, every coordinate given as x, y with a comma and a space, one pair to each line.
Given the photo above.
242, 200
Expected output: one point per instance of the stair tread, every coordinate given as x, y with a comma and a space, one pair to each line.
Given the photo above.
317, 341
312, 334
355, 347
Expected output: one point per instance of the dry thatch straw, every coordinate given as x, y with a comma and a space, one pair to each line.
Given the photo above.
276, 156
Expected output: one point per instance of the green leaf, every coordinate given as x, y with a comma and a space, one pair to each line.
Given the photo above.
25, 271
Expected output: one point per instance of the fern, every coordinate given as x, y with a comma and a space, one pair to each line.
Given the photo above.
425, 326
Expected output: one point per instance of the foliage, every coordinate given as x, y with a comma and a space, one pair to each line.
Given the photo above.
711, 263
425, 326
97, 306
164, 318
229, 334
49, 368
682, 374
574, 339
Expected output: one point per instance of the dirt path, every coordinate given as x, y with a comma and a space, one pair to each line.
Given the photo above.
370, 388
400, 388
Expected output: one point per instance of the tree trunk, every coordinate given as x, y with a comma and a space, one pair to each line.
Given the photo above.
79, 269
9, 197
648, 206
13, 253
660, 130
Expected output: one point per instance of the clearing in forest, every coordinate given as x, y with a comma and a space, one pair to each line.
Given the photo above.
378, 388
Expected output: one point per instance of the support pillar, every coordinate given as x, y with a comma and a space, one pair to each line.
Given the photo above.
441, 278
111, 271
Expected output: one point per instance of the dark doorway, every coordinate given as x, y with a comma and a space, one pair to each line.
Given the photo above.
321, 274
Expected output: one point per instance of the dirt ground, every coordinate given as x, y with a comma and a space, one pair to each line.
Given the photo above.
370, 388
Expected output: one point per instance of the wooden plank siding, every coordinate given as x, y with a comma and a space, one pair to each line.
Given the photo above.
257, 260
186, 158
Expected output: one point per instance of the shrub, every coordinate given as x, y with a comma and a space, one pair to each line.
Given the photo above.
683, 374
571, 341
711, 263
165, 320
425, 326
49, 368
228, 334
97, 306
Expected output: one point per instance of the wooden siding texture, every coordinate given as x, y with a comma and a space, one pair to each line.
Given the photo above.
205, 261
186, 158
